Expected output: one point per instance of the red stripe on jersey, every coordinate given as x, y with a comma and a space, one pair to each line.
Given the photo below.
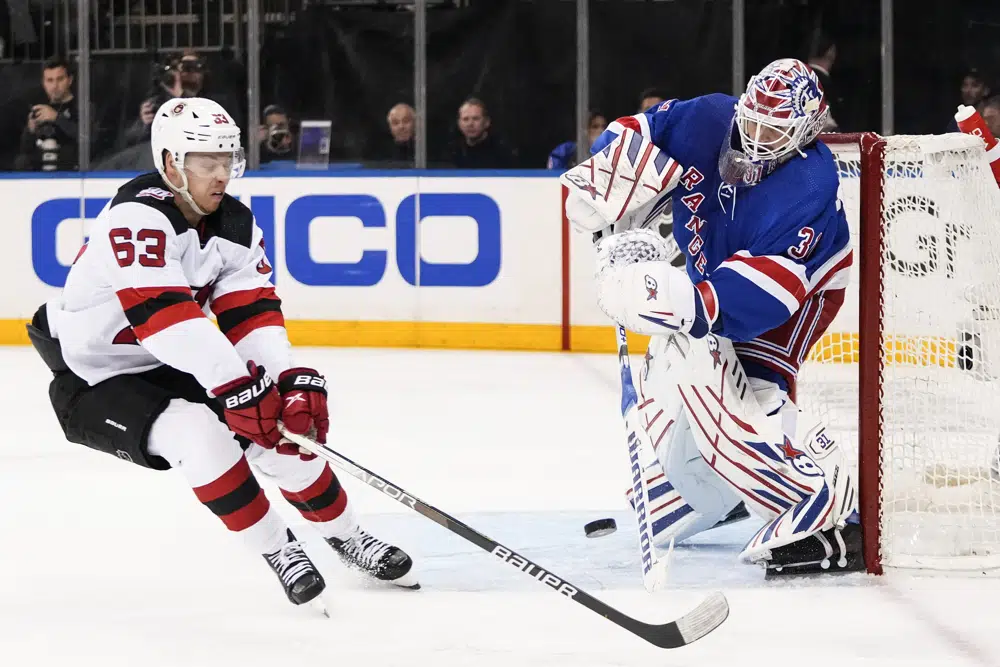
776, 272
249, 514
135, 296
225, 483
272, 318
159, 308
241, 298
839, 266
707, 292
168, 317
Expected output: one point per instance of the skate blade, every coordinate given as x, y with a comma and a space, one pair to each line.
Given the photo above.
318, 605
407, 581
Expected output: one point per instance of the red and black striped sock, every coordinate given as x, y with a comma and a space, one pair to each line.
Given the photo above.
235, 497
323, 500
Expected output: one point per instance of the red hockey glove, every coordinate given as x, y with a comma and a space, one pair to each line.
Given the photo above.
252, 406
303, 407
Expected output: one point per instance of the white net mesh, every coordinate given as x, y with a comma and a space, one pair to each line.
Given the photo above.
940, 381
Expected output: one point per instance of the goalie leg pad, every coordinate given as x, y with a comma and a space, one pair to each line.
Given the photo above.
686, 497
671, 516
753, 448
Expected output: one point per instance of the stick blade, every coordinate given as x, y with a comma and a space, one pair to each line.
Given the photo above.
704, 618
690, 627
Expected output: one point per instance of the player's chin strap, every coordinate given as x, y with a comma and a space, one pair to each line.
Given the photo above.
183, 192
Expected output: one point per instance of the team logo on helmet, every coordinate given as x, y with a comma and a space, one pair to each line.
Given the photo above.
178, 109
805, 96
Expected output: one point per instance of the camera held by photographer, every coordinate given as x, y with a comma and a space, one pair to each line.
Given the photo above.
49, 140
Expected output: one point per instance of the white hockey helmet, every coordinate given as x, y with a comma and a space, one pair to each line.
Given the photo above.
194, 125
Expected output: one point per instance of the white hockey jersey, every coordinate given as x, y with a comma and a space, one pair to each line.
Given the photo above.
137, 295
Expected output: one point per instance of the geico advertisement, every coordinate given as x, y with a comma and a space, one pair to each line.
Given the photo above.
345, 248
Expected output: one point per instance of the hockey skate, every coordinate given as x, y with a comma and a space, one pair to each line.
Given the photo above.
831, 551
376, 558
299, 577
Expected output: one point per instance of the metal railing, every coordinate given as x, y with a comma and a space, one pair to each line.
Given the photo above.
91, 29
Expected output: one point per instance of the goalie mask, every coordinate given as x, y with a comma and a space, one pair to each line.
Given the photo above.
781, 112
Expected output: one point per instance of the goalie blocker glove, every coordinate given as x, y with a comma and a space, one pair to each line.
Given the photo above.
625, 186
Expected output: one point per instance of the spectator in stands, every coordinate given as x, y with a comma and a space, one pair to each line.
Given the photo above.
650, 97
277, 141
50, 136
975, 89
181, 77
192, 70
402, 121
166, 85
563, 156
990, 111
822, 56
478, 147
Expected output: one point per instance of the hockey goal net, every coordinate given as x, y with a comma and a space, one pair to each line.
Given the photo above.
908, 374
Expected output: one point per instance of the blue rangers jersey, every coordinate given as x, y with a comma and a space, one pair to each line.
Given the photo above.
771, 261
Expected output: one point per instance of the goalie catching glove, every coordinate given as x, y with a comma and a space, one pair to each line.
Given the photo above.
625, 186
639, 288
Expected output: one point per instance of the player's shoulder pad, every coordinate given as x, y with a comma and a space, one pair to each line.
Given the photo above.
149, 190
232, 221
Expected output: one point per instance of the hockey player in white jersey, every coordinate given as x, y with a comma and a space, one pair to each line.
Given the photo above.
143, 374
757, 216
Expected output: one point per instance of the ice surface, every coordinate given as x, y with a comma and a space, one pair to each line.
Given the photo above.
103, 563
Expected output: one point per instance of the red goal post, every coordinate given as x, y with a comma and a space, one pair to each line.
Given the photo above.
911, 363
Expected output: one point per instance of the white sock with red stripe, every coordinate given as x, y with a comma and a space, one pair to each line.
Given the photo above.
311, 487
202, 449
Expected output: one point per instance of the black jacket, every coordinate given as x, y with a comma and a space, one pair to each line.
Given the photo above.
490, 153
52, 146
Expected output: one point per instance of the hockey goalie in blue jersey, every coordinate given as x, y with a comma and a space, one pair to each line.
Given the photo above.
768, 253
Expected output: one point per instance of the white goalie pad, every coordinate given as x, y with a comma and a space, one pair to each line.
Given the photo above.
791, 476
626, 185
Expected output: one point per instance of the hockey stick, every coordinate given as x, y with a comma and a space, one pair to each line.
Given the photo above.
690, 627
654, 570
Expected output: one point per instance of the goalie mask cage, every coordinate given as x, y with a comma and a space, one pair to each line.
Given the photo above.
907, 373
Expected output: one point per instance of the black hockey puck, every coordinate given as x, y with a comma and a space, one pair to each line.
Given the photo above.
600, 528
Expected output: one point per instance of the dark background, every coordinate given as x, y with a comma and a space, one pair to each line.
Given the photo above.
351, 63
